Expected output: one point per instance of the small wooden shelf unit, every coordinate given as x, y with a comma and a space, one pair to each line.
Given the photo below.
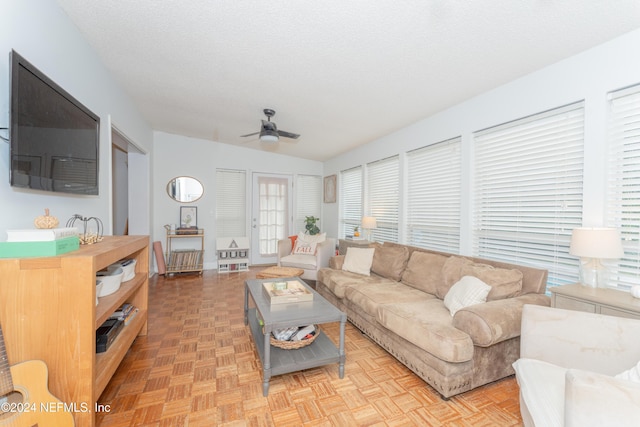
49, 313
184, 260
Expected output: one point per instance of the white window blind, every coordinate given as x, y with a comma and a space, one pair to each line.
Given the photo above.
308, 200
528, 191
623, 183
231, 208
383, 182
433, 196
350, 200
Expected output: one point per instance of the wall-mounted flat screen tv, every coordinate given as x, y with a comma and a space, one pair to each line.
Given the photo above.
54, 138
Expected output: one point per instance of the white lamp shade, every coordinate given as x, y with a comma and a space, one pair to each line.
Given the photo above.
369, 222
603, 243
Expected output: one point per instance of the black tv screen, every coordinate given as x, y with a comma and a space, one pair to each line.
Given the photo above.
54, 138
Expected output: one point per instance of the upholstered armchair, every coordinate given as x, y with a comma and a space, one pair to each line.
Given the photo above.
310, 263
570, 365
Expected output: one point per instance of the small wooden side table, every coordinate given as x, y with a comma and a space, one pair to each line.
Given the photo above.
611, 302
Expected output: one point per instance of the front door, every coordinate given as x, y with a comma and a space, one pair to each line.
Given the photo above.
271, 216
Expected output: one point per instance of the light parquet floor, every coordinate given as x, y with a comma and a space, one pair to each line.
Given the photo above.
198, 367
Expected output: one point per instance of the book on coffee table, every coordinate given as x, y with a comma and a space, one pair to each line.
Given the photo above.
286, 291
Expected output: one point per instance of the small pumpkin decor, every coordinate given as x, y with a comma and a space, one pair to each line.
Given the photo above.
91, 230
46, 220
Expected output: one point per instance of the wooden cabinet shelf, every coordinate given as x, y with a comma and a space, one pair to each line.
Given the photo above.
50, 313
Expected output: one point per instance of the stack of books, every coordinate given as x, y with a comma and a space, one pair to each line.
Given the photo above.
125, 313
39, 242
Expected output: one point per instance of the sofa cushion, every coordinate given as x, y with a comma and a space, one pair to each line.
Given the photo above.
337, 281
312, 238
428, 325
505, 283
542, 387
467, 291
424, 271
389, 260
358, 260
306, 262
383, 291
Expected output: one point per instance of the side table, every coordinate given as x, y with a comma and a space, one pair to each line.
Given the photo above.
262, 319
611, 302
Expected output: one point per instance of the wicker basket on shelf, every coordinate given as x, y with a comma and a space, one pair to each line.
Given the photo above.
293, 345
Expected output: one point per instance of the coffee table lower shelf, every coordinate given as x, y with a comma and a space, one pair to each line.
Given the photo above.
277, 361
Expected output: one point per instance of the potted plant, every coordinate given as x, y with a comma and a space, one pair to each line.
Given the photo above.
356, 231
310, 225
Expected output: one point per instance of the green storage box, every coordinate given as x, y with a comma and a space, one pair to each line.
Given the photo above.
39, 249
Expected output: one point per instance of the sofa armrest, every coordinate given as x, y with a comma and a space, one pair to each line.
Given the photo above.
575, 339
324, 251
593, 399
495, 321
336, 262
284, 248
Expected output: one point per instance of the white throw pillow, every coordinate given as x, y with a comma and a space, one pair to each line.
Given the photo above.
358, 260
302, 247
632, 374
467, 291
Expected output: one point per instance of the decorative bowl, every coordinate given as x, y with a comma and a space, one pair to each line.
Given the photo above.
99, 285
111, 279
128, 266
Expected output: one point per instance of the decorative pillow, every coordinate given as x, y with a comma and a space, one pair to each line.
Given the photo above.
424, 271
303, 247
632, 374
389, 260
451, 274
358, 260
467, 291
505, 283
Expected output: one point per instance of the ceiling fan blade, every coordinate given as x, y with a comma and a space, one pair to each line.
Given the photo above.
288, 134
249, 134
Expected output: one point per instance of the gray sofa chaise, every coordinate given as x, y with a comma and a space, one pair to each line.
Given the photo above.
400, 305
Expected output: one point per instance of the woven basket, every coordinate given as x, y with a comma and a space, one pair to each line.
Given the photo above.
293, 345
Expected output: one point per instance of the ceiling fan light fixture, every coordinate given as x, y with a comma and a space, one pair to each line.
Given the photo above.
269, 136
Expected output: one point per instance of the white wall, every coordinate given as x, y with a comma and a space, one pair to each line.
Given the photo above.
588, 76
41, 32
176, 155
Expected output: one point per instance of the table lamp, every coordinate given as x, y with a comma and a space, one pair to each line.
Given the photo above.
368, 223
592, 245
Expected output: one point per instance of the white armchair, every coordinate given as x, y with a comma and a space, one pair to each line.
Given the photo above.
567, 367
309, 263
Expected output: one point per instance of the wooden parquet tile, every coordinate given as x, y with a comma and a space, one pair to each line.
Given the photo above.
198, 367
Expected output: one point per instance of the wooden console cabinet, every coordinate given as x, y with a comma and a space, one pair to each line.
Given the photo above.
611, 302
49, 313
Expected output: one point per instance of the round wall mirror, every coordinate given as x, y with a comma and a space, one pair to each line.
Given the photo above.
185, 189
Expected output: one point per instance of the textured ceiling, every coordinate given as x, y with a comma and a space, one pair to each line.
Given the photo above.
339, 73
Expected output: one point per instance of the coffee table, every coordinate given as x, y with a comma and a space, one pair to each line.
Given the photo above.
275, 271
277, 361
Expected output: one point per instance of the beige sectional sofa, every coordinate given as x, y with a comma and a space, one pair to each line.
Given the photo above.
400, 305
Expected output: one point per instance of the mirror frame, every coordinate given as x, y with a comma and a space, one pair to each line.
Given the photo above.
172, 194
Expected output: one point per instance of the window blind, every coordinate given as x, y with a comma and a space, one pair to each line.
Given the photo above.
231, 210
350, 200
433, 196
308, 199
528, 191
383, 182
623, 182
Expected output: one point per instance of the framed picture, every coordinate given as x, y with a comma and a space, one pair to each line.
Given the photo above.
188, 217
330, 189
